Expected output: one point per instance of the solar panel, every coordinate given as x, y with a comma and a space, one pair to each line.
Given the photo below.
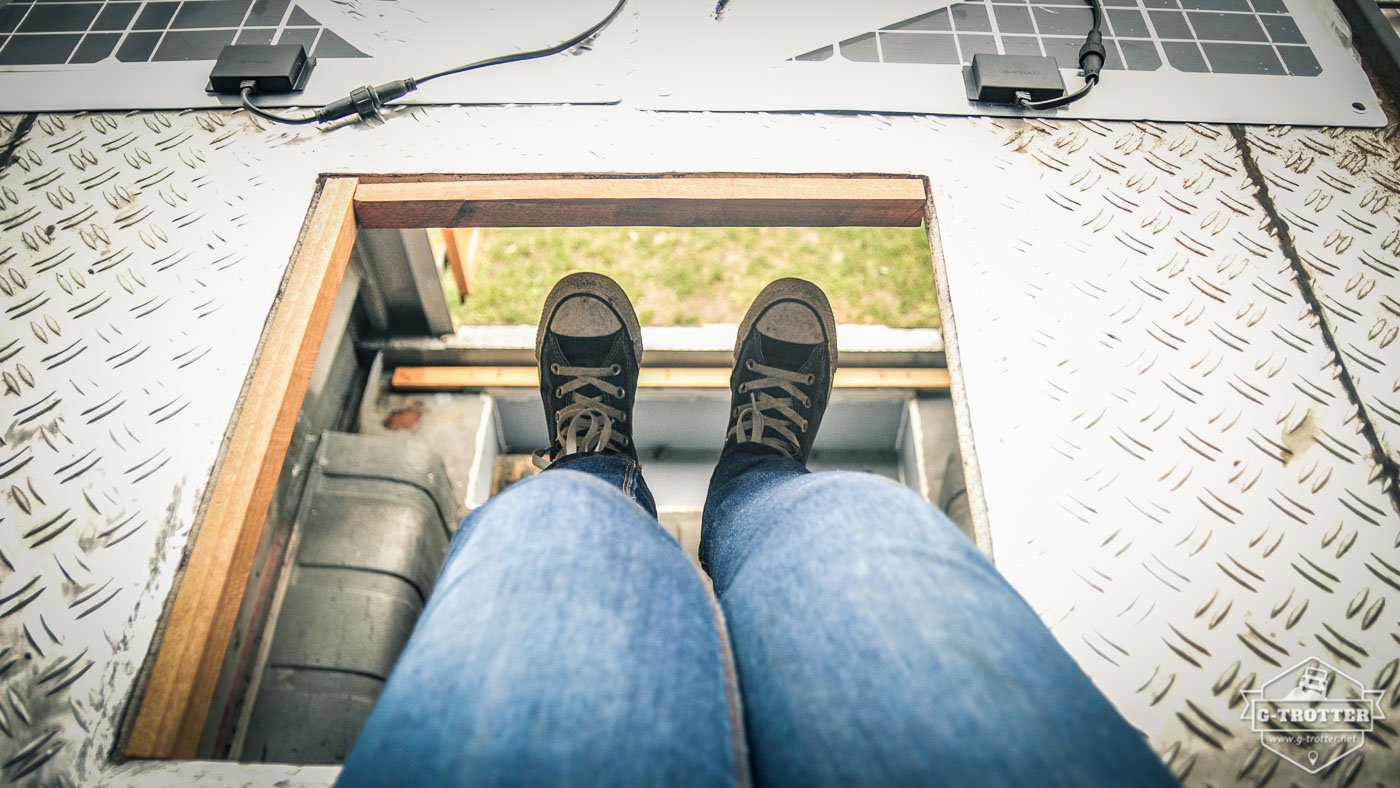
153, 54
76, 32
1239, 61
1233, 61
1192, 36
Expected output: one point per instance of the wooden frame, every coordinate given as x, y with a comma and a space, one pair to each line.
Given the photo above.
762, 201
200, 622
462, 248
171, 712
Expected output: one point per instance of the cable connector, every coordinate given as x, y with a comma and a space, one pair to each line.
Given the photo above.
1092, 55
1091, 59
366, 101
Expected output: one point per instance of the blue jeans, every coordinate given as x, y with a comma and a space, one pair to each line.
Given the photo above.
570, 641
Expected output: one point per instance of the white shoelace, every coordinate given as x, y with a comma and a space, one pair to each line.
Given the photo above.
769, 420
586, 423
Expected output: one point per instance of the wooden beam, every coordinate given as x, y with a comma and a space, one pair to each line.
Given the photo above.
200, 624
733, 201
673, 377
462, 246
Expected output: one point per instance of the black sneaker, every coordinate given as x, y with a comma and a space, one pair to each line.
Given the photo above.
588, 348
784, 363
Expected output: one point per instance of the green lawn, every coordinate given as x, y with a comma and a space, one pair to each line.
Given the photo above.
690, 276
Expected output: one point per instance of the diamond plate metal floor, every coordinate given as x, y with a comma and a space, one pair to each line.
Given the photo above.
1168, 460
1333, 192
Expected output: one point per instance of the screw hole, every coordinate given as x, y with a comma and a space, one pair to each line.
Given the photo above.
1358, 106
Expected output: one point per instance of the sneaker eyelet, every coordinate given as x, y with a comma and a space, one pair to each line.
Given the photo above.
623, 418
749, 365
558, 417
554, 369
616, 369
811, 378
559, 392
806, 402
743, 387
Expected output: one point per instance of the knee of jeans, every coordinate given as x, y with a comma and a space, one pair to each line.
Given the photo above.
865, 505
549, 505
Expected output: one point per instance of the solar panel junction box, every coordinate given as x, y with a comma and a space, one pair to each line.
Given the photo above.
996, 79
275, 68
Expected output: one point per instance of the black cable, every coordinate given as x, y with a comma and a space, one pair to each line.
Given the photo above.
245, 91
518, 56
366, 101
1026, 103
1091, 60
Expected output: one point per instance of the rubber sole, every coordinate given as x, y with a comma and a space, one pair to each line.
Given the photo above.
597, 285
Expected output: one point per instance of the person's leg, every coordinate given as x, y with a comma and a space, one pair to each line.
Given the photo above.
568, 639
875, 644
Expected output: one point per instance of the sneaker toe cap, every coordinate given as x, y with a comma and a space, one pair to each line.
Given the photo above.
584, 316
791, 321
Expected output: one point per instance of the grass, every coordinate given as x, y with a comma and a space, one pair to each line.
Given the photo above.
691, 276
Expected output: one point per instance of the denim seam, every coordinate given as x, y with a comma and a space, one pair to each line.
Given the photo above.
738, 736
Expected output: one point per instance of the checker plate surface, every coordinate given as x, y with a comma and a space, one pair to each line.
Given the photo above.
1171, 468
